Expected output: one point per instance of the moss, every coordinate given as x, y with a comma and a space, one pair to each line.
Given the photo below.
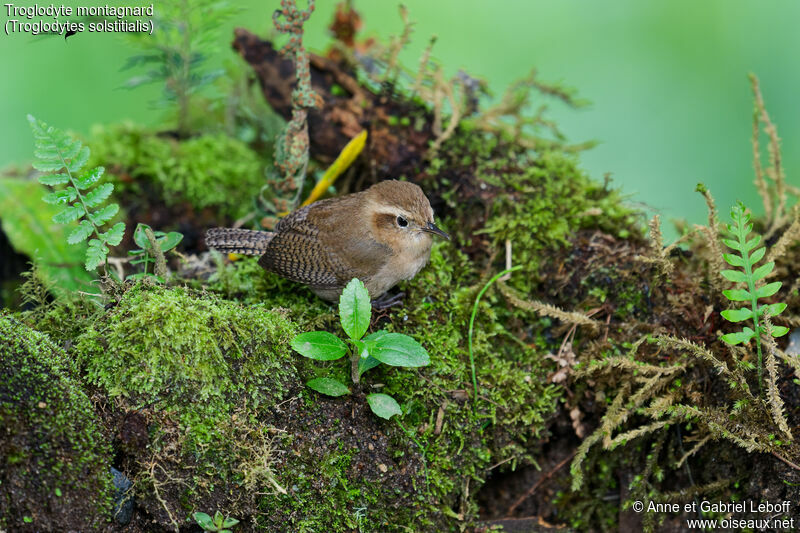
209, 171
53, 459
186, 351
493, 191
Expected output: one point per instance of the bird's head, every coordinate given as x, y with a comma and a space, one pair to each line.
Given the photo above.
401, 215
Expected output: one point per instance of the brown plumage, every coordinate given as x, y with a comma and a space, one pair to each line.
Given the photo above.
382, 235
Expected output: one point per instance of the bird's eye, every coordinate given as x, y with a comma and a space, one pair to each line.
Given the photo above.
402, 222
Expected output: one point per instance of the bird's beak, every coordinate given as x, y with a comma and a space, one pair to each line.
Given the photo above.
431, 228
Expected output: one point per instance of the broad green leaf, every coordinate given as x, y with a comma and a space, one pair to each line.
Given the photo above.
115, 234
355, 309
752, 243
319, 345
53, 179
773, 309
69, 214
81, 233
65, 196
737, 295
229, 522
762, 271
779, 331
734, 276
27, 222
757, 256
396, 349
328, 386
79, 160
139, 236
733, 260
367, 363
95, 254
737, 315
738, 337
104, 215
89, 178
768, 290
203, 520
170, 241
383, 405
98, 196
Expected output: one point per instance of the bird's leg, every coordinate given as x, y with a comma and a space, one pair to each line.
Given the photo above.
388, 300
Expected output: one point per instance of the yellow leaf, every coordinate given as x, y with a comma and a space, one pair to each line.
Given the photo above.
342, 163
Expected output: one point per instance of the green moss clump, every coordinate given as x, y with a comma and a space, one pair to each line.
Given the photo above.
204, 370
493, 188
211, 170
53, 459
195, 353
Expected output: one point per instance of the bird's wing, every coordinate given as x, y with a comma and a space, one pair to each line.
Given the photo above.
323, 251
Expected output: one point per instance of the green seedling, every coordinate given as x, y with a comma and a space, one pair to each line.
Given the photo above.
217, 524
152, 247
366, 352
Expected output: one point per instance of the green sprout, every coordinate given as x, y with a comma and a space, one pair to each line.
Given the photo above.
152, 247
218, 524
63, 159
748, 277
393, 349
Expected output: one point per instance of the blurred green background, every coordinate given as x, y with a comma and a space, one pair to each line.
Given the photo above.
671, 104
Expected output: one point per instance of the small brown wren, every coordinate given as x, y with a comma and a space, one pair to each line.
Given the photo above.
381, 236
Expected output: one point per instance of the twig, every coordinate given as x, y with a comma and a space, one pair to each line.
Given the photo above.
539, 481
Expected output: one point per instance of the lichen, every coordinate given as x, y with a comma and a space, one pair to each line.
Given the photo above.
54, 461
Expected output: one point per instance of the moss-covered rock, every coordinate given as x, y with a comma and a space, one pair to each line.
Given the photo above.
210, 170
54, 461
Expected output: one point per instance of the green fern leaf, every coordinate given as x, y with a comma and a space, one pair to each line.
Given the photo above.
98, 195
730, 243
66, 196
737, 315
90, 178
55, 150
757, 256
768, 290
772, 309
70, 214
79, 160
96, 254
762, 271
54, 179
733, 260
81, 233
734, 276
48, 165
779, 331
99, 218
737, 295
115, 234
752, 243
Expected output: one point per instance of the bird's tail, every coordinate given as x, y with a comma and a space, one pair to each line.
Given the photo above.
238, 241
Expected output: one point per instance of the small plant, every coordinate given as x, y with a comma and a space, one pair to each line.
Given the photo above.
152, 247
218, 524
393, 349
748, 278
176, 53
63, 158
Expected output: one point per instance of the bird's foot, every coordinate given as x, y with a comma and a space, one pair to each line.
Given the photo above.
388, 300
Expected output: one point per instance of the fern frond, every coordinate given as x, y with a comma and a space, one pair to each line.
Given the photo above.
64, 158
748, 277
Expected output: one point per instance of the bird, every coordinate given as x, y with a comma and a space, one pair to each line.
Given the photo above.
382, 235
